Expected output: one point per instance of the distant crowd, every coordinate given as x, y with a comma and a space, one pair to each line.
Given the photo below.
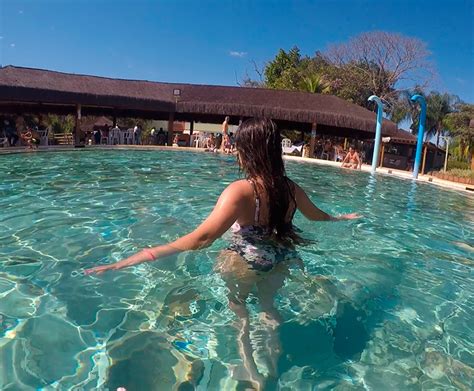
15, 132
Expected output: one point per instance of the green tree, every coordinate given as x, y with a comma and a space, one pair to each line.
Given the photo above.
315, 83
460, 126
59, 123
438, 106
389, 62
284, 71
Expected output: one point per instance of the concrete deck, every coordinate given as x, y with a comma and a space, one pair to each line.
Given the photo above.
467, 189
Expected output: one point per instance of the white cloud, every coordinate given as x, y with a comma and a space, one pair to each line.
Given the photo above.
459, 80
12, 45
234, 53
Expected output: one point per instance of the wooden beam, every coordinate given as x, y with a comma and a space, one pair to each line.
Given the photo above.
424, 159
381, 155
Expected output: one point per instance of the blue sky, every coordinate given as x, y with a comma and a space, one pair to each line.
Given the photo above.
214, 42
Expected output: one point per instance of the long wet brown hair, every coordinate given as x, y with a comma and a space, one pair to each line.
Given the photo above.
258, 143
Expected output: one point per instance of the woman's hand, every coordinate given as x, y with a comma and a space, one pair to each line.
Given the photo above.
104, 268
350, 216
142, 256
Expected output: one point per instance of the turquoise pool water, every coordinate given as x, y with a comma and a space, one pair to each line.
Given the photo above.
386, 302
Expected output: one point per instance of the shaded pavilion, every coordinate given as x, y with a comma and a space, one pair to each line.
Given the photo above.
28, 90
399, 152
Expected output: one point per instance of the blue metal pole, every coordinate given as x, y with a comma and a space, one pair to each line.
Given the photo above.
421, 130
378, 131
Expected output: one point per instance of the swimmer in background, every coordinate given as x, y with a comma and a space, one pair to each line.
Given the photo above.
352, 160
260, 211
227, 144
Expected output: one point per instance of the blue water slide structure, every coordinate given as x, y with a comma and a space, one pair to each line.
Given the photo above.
378, 131
421, 130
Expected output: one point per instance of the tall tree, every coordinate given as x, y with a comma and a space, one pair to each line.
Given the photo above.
284, 71
389, 62
438, 106
460, 126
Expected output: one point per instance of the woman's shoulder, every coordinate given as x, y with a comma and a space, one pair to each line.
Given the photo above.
237, 191
242, 185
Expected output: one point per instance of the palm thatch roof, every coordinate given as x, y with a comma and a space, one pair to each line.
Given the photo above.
106, 95
95, 122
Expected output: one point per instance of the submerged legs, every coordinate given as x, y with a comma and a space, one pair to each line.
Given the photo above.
241, 281
270, 317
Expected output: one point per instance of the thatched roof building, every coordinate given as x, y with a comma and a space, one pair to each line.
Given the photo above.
26, 89
89, 123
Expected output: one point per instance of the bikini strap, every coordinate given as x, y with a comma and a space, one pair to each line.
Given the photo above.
257, 202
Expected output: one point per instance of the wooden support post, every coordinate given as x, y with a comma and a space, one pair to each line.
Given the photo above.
170, 128
381, 155
191, 131
424, 159
312, 143
77, 128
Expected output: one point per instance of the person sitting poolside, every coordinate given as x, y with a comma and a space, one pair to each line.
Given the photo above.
352, 160
211, 143
339, 153
260, 211
227, 144
31, 138
176, 141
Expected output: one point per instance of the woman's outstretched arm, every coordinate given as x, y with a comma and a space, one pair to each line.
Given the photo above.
312, 212
225, 213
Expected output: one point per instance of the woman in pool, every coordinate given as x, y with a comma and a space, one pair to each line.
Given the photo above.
260, 210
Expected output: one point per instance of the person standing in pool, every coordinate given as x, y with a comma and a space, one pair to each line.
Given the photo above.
260, 211
225, 132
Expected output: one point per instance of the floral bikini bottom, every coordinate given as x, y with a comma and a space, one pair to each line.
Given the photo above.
252, 243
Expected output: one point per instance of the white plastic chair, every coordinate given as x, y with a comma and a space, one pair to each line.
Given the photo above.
287, 145
103, 138
114, 137
44, 139
128, 137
